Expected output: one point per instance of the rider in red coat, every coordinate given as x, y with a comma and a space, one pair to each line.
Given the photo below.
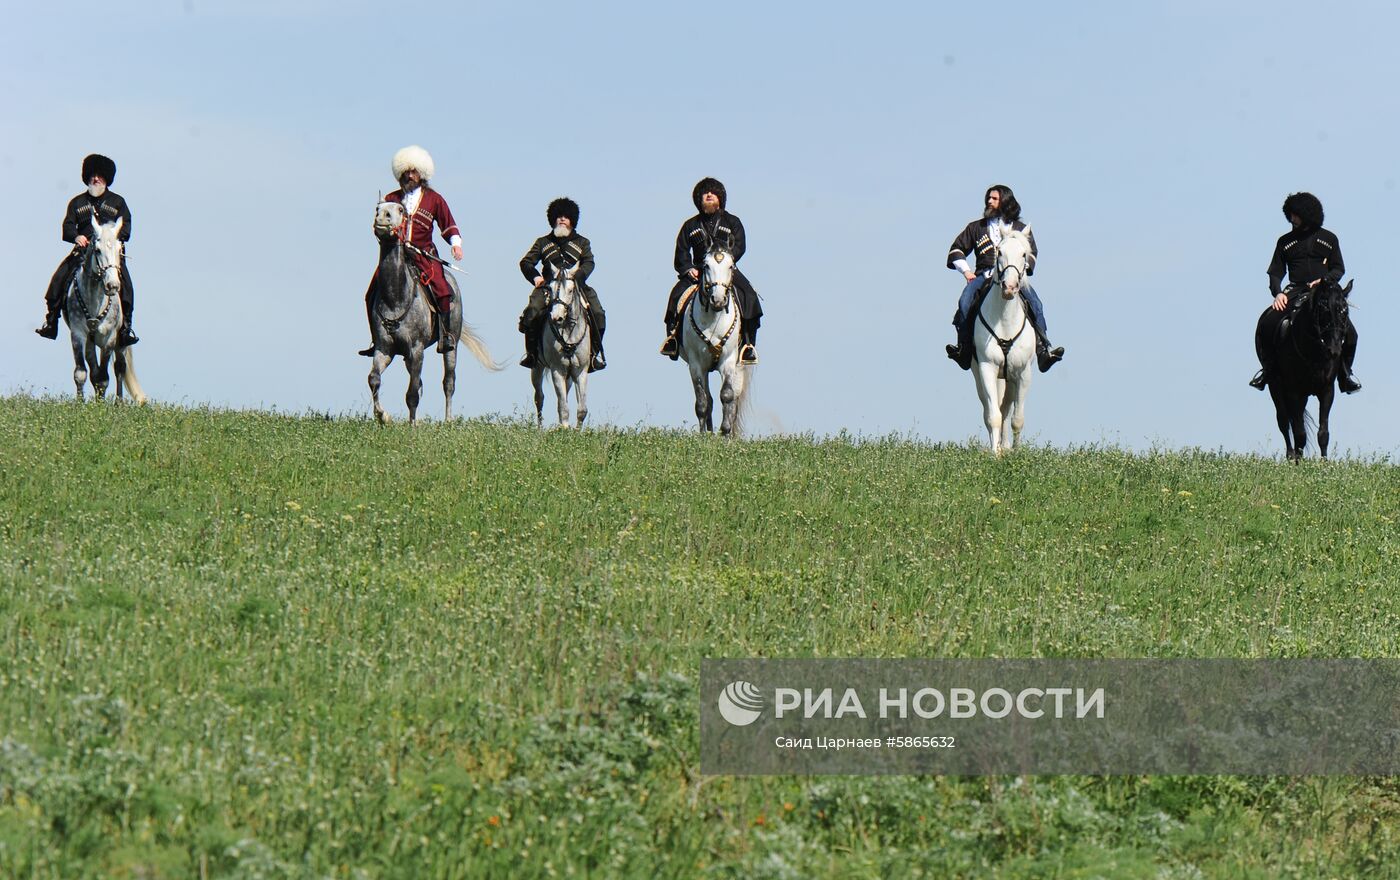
412, 168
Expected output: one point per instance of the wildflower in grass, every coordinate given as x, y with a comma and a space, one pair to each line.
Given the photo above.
292, 505
759, 820
788, 806
996, 500
1184, 494
494, 821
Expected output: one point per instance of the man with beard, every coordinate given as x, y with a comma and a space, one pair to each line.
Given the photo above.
100, 202
558, 251
713, 224
981, 238
413, 167
1310, 255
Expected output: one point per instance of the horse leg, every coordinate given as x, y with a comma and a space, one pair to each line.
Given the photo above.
581, 394
989, 388
1324, 408
119, 371
704, 403
449, 381
97, 371
561, 394
1016, 393
80, 372
414, 362
1298, 407
377, 365
727, 399
537, 380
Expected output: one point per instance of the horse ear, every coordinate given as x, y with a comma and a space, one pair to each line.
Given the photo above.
120, 221
1027, 230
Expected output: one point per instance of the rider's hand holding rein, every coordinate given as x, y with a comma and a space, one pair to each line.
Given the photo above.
695, 274
81, 241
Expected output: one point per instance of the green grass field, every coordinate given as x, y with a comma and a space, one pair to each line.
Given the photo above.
252, 645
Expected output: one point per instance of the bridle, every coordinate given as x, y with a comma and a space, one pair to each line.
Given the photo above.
708, 284
95, 254
557, 286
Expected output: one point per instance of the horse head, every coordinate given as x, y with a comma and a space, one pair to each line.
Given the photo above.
1329, 313
104, 255
717, 278
389, 220
563, 294
1013, 261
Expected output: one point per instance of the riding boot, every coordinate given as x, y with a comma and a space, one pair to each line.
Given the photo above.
369, 312
1346, 380
531, 357
599, 362
1045, 356
748, 339
125, 337
1260, 379
446, 341
50, 328
672, 347
962, 352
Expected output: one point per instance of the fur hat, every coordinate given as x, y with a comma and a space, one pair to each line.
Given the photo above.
1306, 206
101, 166
708, 185
562, 207
414, 157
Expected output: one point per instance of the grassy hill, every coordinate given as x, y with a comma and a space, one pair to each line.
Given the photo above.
253, 645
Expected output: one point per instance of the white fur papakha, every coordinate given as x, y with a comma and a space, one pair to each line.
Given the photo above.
413, 157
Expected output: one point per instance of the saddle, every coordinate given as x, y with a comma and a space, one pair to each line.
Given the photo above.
685, 298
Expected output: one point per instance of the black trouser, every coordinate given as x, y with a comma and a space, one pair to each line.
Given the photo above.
750, 307
535, 312
63, 278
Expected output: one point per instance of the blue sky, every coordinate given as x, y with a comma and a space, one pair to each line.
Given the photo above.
1151, 149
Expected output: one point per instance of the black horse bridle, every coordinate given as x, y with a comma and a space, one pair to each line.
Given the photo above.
556, 289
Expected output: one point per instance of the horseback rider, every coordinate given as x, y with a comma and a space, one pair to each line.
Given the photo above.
413, 168
981, 238
100, 202
1310, 255
713, 224
559, 250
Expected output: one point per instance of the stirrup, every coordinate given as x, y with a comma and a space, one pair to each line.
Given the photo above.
367, 352
49, 330
1347, 384
1048, 357
747, 356
1258, 381
126, 338
671, 347
597, 362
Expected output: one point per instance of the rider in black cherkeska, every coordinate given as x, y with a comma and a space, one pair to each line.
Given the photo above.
1309, 255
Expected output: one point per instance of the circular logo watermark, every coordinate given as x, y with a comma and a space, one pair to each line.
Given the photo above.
740, 703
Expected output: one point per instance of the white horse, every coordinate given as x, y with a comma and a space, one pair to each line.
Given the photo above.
709, 341
565, 349
93, 311
1003, 342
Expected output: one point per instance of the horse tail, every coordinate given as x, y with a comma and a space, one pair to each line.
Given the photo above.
743, 377
133, 385
478, 348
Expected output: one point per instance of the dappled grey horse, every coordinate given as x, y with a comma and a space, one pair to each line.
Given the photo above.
565, 348
93, 310
402, 322
709, 340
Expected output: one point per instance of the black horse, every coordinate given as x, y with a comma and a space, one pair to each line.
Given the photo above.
1301, 351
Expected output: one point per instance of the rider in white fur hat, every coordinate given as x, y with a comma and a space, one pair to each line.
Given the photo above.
413, 167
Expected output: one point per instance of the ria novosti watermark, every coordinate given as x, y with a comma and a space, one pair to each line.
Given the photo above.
1050, 716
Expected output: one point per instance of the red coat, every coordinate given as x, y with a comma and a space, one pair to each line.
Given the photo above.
432, 208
